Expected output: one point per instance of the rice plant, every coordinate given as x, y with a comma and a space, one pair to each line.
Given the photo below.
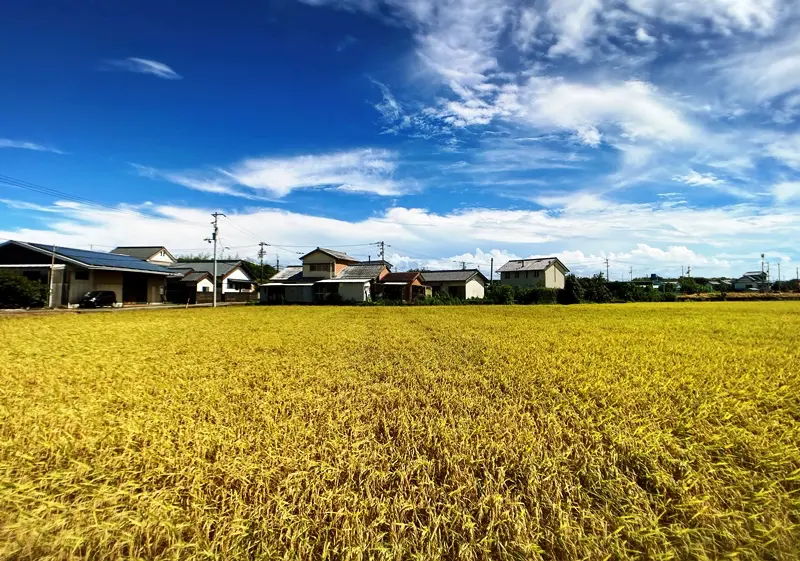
659, 431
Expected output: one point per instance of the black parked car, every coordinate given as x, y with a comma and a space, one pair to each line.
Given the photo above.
98, 298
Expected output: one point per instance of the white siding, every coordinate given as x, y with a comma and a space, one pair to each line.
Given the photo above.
236, 274
475, 288
552, 277
207, 284
357, 292
161, 258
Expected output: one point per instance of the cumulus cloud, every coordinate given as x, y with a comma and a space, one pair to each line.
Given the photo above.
145, 66
355, 171
643, 37
647, 234
787, 191
24, 145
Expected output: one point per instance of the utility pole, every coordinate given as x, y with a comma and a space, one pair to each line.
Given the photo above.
681, 271
463, 265
689, 271
607, 277
631, 274
261, 256
213, 240
50, 299
491, 272
277, 262
382, 246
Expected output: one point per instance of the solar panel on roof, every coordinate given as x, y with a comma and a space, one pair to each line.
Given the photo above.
99, 259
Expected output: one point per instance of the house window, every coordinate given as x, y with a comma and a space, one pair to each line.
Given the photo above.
320, 267
526, 274
536, 274
231, 284
82, 275
516, 275
205, 289
32, 275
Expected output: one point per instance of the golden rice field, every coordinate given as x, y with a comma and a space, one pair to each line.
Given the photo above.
658, 431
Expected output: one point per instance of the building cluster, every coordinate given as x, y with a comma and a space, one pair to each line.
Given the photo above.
151, 274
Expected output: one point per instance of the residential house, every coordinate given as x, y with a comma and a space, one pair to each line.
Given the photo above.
287, 286
461, 283
233, 284
756, 280
152, 254
325, 272
78, 271
325, 263
190, 287
402, 286
545, 272
352, 283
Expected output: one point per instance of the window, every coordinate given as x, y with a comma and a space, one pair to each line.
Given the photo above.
320, 267
82, 274
526, 274
205, 289
231, 284
536, 273
506, 275
516, 275
32, 275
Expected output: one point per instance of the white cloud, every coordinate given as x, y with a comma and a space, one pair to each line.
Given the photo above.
356, 171
698, 179
786, 150
574, 22
766, 73
145, 66
8, 143
787, 191
591, 227
643, 37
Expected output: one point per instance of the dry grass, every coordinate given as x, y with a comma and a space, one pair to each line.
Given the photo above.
659, 431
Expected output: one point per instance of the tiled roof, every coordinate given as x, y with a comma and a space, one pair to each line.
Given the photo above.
140, 252
288, 274
537, 264
366, 270
195, 277
456, 275
223, 267
338, 255
400, 277
99, 259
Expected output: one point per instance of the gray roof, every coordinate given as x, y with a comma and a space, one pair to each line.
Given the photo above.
338, 255
223, 267
366, 270
459, 275
537, 264
288, 274
195, 277
139, 251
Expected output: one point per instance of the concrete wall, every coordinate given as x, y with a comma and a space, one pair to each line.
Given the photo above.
357, 292
156, 288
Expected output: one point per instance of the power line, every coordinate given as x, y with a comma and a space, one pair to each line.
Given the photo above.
56, 194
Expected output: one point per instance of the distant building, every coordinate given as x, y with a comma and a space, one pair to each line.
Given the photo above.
403, 286
152, 254
461, 283
545, 272
756, 280
233, 283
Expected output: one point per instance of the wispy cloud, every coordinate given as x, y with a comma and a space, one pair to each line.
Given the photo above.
356, 171
8, 143
145, 66
787, 191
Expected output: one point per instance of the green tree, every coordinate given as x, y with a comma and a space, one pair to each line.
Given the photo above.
17, 291
573, 292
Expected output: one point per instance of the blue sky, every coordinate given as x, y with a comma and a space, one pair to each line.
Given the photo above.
654, 133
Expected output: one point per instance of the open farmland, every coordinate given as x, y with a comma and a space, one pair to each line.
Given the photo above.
666, 431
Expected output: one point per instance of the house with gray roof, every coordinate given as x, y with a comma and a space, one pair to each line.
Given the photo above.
458, 283
151, 253
541, 272
233, 284
70, 273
